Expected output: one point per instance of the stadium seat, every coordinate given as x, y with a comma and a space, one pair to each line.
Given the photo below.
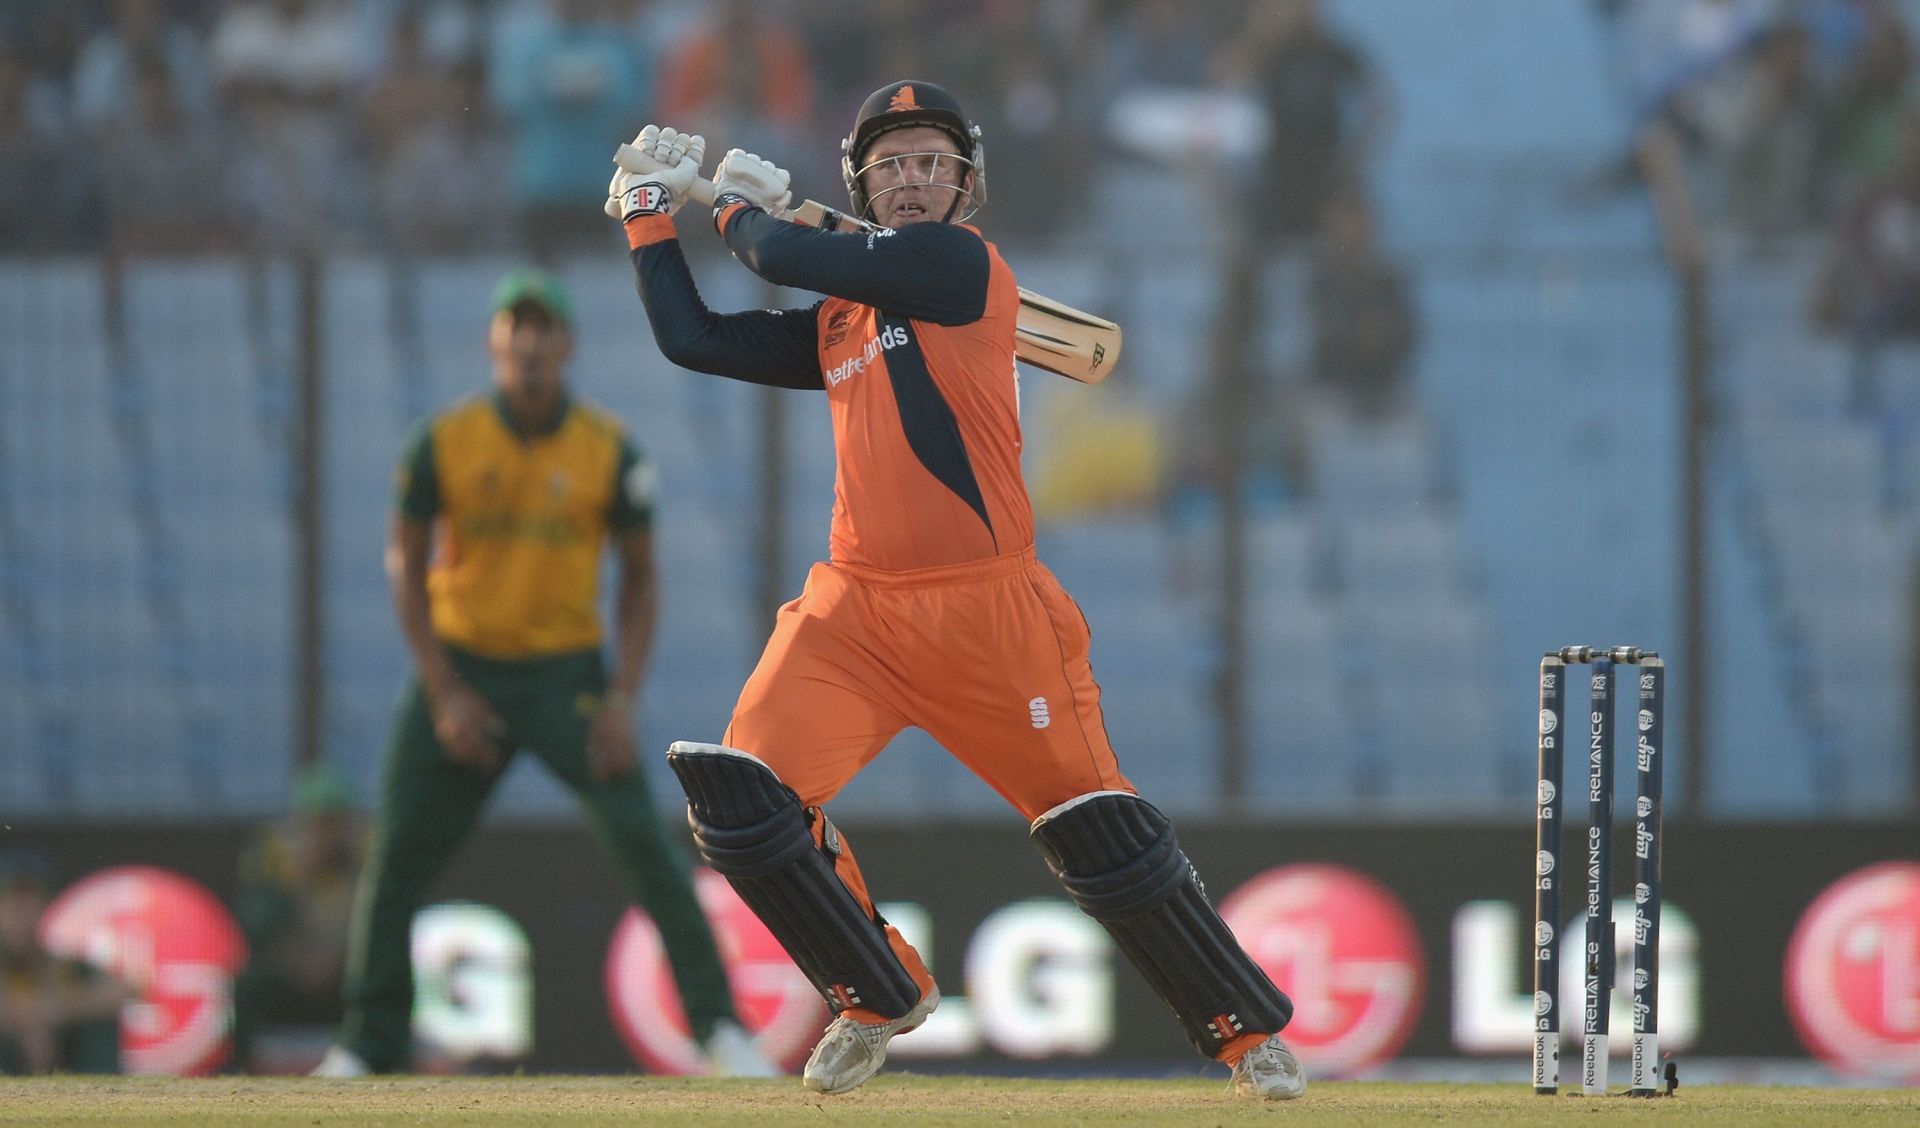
55, 315
59, 457
1786, 377
1167, 741
1287, 636
1285, 560
1851, 641
116, 735
1119, 554
700, 557
23, 782
1075, 279
1439, 749
1388, 467
1416, 553
1446, 634
1869, 767
195, 372
1301, 742
251, 761
1824, 468
1136, 642
1821, 556
1300, 733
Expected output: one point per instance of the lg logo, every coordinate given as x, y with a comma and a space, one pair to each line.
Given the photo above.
772, 996
1344, 948
176, 942
1853, 973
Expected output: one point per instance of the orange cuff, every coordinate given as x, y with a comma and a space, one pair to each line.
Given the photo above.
720, 218
1236, 1048
646, 230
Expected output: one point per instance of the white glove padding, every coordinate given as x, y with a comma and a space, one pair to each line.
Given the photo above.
669, 163
745, 178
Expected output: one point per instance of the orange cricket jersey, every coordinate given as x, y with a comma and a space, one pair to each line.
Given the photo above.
926, 426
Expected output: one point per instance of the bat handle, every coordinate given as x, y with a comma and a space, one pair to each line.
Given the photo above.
635, 161
809, 213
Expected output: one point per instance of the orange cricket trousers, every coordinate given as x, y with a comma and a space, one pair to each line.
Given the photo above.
989, 657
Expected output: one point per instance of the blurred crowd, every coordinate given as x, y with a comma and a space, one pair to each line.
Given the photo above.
1802, 118
485, 125
451, 125
1792, 106
456, 126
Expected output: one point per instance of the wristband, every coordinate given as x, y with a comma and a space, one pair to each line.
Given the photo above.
724, 205
648, 228
648, 198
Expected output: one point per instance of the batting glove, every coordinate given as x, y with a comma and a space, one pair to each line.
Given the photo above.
743, 178
671, 163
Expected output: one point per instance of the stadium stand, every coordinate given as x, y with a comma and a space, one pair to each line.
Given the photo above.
1396, 606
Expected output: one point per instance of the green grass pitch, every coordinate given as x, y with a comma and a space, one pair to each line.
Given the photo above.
896, 1098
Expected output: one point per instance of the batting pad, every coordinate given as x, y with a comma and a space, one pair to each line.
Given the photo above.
751, 829
1118, 858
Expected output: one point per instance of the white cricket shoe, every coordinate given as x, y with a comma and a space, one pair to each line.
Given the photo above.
1269, 1071
851, 1052
341, 1062
732, 1052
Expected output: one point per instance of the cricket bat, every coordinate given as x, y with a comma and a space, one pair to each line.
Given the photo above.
1047, 334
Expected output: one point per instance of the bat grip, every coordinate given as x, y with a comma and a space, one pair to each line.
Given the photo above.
808, 213
640, 164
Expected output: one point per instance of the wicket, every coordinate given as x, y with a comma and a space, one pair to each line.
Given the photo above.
1548, 827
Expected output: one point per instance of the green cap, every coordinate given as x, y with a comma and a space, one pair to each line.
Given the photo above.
528, 284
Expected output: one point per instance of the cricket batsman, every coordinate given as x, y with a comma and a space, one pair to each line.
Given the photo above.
932, 610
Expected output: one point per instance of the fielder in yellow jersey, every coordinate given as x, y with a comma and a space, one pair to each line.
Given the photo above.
503, 508
523, 521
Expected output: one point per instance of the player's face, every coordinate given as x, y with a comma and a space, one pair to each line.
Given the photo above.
529, 347
912, 175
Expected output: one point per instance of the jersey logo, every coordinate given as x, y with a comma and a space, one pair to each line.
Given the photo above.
903, 99
1037, 709
890, 338
837, 326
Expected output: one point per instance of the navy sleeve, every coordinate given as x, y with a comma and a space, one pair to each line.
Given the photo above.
766, 346
934, 272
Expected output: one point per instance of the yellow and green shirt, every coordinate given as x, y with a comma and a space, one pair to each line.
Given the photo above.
520, 523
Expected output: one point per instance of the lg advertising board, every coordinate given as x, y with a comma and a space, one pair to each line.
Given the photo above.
1408, 942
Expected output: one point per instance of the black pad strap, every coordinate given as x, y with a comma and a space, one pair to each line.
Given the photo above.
751, 829
1117, 856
